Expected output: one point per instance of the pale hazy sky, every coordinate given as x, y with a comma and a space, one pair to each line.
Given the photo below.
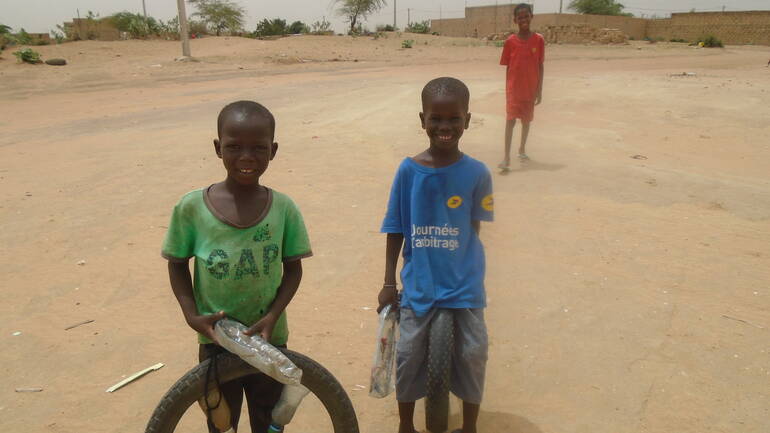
43, 15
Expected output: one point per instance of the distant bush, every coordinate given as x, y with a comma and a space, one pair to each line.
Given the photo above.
322, 27
711, 41
266, 27
136, 25
419, 27
386, 28
677, 40
408, 43
298, 27
28, 55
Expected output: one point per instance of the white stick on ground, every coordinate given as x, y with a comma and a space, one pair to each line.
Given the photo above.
133, 377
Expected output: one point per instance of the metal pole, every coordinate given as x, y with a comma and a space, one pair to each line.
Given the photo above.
144, 9
408, 16
183, 29
560, 1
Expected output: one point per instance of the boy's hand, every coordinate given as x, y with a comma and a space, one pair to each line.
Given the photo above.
263, 327
388, 296
204, 324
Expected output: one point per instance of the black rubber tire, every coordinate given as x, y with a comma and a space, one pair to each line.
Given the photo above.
440, 348
189, 388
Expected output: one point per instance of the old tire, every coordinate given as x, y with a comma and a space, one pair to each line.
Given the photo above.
440, 348
189, 388
56, 62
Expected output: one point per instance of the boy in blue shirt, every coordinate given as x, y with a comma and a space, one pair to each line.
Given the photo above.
437, 201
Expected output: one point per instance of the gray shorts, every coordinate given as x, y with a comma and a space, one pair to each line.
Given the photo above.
469, 359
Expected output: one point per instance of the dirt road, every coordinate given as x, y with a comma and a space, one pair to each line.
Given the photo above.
628, 265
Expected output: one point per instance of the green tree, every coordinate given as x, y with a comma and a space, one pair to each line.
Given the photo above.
4, 30
355, 10
273, 27
220, 15
136, 25
598, 7
298, 27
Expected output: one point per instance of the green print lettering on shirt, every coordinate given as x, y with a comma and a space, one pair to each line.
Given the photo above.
246, 265
263, 234
269, 255
219, 269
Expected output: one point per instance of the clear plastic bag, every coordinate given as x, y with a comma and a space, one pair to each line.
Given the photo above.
257, 352
382, 382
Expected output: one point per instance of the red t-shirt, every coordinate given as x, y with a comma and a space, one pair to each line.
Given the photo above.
523, 58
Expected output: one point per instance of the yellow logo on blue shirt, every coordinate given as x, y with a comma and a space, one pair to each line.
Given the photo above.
454, 202
488, 203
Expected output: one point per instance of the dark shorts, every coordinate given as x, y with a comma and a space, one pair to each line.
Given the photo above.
262, 393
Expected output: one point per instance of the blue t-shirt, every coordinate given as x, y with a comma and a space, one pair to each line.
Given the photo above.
443, 257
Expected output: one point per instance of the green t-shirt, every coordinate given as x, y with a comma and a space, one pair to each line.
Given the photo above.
237, 269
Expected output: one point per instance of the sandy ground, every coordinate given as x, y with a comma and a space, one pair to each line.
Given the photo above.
625, 295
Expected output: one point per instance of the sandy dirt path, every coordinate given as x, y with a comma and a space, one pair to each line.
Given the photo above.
625, 295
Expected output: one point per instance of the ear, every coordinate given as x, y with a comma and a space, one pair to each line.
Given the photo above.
467, 120
218, 148
273, 150
422, 119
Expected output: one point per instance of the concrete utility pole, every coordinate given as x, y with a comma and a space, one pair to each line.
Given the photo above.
560, 1
408, 16
394, 14
183, 29
144, 9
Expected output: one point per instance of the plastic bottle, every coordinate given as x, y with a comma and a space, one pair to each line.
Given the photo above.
275, 428
287, 405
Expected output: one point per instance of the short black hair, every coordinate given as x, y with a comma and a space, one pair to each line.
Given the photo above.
522, 6
246, 109
446, 86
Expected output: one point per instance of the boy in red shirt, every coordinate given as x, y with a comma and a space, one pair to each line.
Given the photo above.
523, 55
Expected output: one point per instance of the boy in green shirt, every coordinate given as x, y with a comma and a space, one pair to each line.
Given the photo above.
248, 242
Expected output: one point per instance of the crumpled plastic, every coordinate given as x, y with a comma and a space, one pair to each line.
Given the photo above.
257, 352
382, 383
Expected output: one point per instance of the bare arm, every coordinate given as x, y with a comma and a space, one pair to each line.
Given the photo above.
181, 284
389, 294
539, 96
476, 226
292, 275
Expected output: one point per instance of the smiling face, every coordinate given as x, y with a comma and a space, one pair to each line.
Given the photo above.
445, 118
523, 19
245, 146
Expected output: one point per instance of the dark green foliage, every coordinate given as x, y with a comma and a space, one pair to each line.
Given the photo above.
274, 27
136, 25
408, 43
220, 16
298, 27
356, 10
28, 55
711, 41
419, 27
598, 7
386, 28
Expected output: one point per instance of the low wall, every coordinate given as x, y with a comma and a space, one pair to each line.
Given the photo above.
735, 28
750, 27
